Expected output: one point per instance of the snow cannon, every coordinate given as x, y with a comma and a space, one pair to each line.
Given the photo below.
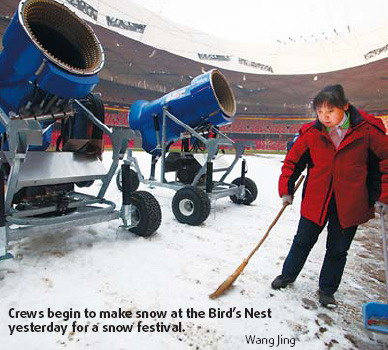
192, 116
48, 69
50, 56
208, 100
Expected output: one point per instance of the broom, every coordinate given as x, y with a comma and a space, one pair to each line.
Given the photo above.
229, 281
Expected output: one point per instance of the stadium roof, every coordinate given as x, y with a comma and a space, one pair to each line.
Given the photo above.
268, 36
148, 55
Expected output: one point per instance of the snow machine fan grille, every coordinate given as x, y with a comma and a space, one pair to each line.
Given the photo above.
64, 38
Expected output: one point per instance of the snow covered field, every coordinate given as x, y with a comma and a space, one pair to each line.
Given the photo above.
103, 268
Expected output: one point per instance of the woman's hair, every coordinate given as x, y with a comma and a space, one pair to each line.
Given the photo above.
333, 95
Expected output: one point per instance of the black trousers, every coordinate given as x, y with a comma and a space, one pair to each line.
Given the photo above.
337, 246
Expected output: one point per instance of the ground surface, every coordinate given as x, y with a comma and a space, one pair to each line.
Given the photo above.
102, 267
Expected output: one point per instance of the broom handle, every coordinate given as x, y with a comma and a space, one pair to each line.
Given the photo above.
273, 223
229, 281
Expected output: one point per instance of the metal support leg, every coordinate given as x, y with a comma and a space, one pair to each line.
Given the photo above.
157, 128
243, 171
164, 145
119, 138
12, 181
3, 232
125, 213
154, 160
209, 177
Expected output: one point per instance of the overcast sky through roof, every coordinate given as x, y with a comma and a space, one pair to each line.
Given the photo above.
272, 20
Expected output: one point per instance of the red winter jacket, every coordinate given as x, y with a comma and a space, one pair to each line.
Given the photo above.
356, 172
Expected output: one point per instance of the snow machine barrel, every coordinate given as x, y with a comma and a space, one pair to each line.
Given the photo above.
208, 100
50, 56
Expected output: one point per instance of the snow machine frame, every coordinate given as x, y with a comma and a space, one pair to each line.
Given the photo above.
197, 193
30, 169
49, 63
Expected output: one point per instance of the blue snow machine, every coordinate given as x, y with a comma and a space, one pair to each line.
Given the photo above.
192, 115
48, 70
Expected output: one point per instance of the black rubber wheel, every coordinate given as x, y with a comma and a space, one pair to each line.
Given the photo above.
134, 180
250, 191
85, 183
147, 214
96, 106
191, 205
187, 173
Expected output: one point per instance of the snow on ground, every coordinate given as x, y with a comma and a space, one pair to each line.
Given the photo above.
103, 268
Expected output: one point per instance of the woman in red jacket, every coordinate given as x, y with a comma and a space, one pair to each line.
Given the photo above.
346, 155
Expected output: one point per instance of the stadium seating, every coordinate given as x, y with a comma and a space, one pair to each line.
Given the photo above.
265, 126
265, 133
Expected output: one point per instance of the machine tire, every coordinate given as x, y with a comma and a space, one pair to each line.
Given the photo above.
148, 213
191, 205
185, 176
97, 108
187, 173
250, 191
85, 183
134, 180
